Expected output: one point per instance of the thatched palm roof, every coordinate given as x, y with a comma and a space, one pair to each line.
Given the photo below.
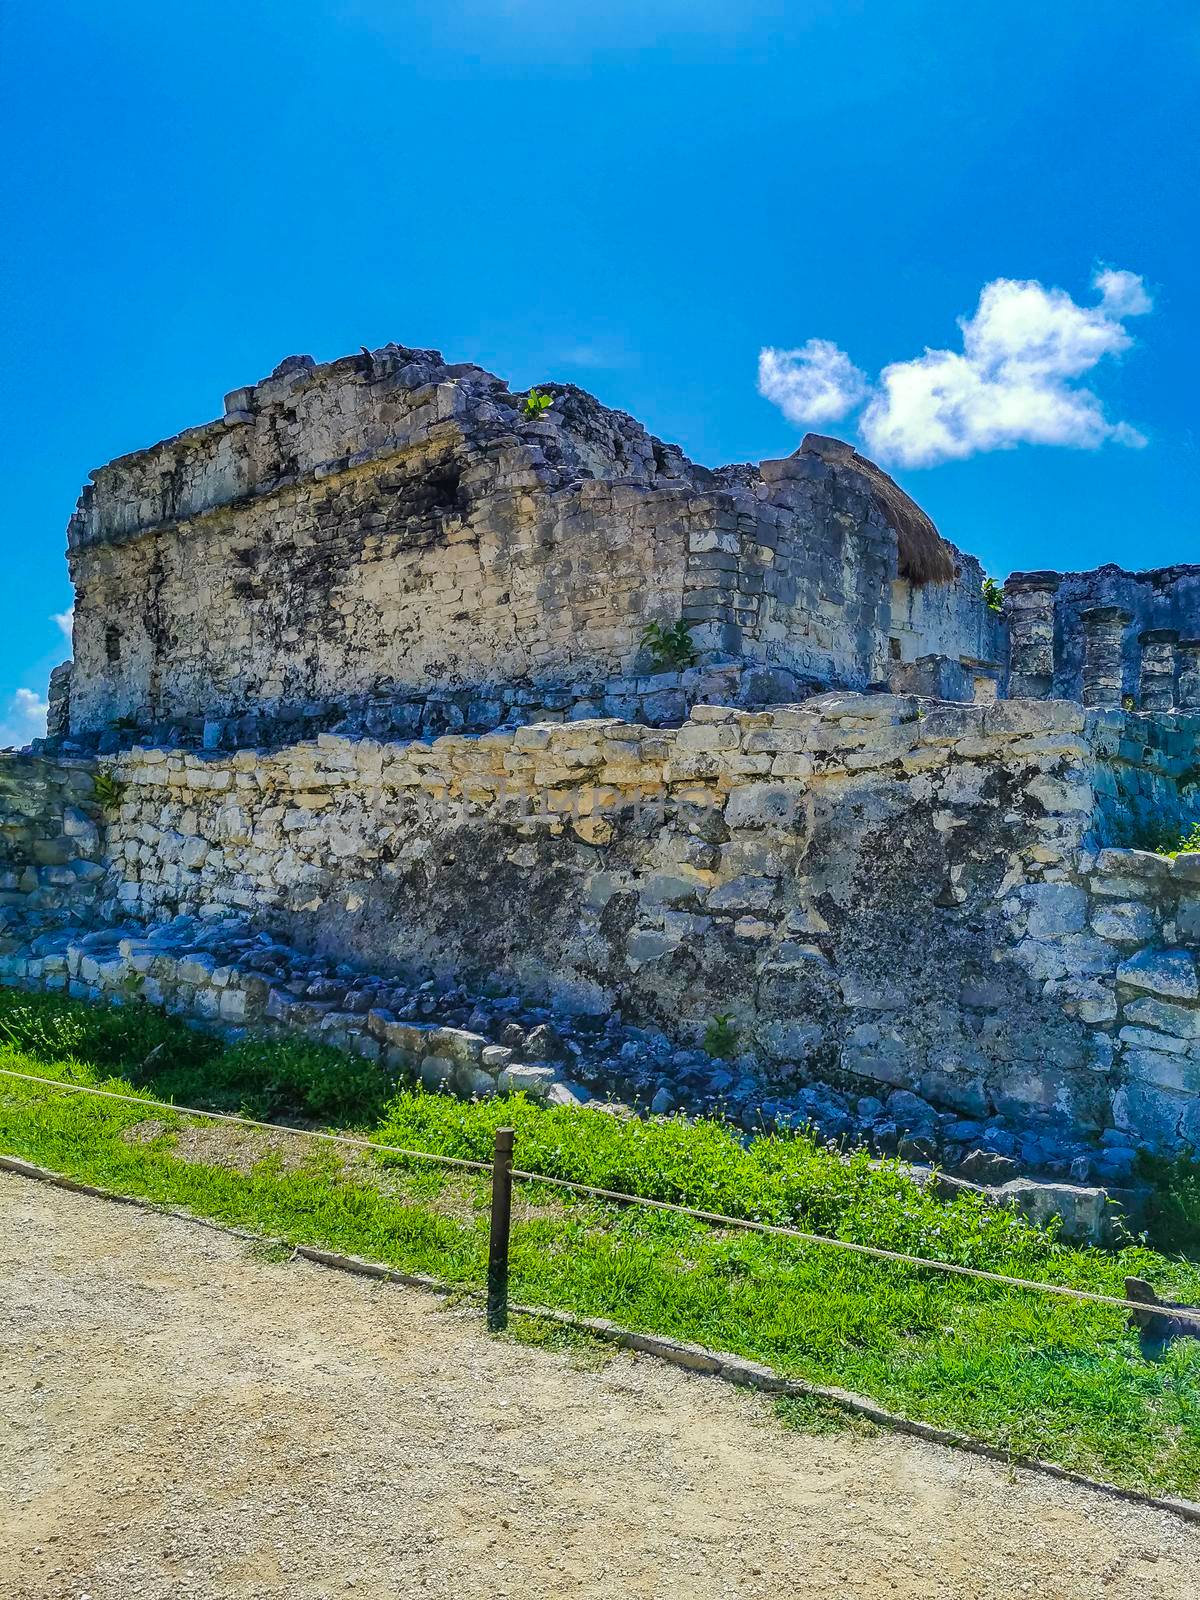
923, 555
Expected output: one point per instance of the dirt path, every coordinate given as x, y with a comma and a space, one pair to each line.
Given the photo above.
183, 1420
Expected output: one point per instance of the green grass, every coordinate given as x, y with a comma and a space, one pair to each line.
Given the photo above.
811, 1414
1031, 1373
1173, 1212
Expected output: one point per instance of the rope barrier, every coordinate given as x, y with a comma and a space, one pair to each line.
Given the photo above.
877, 1252
249, 1122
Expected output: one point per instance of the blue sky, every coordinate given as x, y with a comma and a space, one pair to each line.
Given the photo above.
640, 198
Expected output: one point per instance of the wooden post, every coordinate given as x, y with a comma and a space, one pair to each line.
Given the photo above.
497, 1284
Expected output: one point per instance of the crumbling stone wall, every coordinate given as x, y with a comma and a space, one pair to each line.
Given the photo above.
389, 527
51, 841
1107, 637
879, 896
951, 622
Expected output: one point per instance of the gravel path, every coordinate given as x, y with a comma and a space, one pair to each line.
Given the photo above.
183, 1420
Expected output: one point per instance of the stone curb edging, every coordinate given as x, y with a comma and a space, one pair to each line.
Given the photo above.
689, 1357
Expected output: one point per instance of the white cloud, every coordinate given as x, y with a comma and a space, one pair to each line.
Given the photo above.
817, 383
24, 718
1123, 294
1015, 380
66, 622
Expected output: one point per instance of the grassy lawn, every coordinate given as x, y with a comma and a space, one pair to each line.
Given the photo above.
1032, 1373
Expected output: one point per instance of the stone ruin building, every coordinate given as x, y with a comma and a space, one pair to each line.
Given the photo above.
363, 737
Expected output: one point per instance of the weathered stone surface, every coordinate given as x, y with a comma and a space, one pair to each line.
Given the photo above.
443, 550
1053, 909
1148, 1012
1167, 1069
895, 925
1084, 1211
1168, 973
1124, 922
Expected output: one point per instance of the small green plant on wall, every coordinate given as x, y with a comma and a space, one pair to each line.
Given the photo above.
993, 595
535, 402
670, 648
107, 791
721, 1037
131, 986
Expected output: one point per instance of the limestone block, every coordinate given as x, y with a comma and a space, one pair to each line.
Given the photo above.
1089, 999
1116, 886
708, 736
436, 1072
743, 894
1053, 909
1187, 919
1140, 864
414, 1038
1008, 719
472, 1082
569, 1095
789, 1038
1151, 1039
1148, 1012
1185, 869
764, 805
1124, 922
649, 944
1146, 1111
792, 960
950, 724
81, 830
1083, 1210
233, 1005
204, 1003
1165, 1068
1060, 795
459, 1044
521, 1077
674, 887
1170, 974
279, 1007
863, 708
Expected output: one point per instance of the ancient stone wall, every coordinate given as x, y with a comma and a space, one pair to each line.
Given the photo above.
878, 896
951, 621
51, 840
1107, 637
365, 535
336, 538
